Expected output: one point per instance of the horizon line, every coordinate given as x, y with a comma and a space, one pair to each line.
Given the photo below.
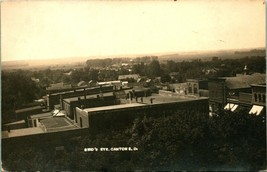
136, 55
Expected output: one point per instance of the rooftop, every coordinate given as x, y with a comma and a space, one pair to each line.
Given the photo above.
160, 99
105, 108
22, 132
157, 99
74, 99
135, 76
57, 86
42, 115
259, 85
54, 124
244, 81
16, 122
28, 109
81, 88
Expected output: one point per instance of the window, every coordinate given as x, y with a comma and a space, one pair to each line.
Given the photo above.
256, 97
190, 89
259, 97
263, 98
81, 122
195, 88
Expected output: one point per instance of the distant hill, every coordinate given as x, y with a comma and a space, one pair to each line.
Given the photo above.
207, 55
43, 63
179, 56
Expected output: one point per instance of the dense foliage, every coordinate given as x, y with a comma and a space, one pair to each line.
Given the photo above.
198, 69
18, 89
182, 141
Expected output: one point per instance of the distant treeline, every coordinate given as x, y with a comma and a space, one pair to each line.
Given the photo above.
215, 68
251, 52
108, 62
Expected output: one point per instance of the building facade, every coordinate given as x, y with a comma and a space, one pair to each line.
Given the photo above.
120, 116
228, 93
96, 100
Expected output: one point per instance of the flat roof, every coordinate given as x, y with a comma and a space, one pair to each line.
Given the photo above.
259, 85
16, 122
41, 115
22, 132
28, 109
74, 99
81, 88
54, 124
113, 107
160, 99
157, 99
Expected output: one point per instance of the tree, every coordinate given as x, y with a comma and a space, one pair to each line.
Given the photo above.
165, 78
171, 66
154, 69
66, 79
93, 74
17, 90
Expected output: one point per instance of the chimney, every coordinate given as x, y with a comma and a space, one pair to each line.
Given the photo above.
151, 100
84, 92
245, 70
61, 101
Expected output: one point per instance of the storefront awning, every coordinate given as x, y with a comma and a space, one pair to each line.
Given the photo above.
256, 109
231, 106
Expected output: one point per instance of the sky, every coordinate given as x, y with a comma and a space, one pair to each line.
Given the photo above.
62, 29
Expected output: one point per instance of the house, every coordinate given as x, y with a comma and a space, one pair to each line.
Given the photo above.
82, 83
139, 92
92, 83
174, 76
190, 87
116, 84
68, 73
58, 87
125, 77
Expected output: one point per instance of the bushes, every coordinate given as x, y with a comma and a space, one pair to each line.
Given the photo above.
185, 140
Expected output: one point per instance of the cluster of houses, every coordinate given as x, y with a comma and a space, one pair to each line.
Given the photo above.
117, 103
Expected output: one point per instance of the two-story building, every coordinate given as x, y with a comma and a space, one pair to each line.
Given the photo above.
190, 87
258, 99
96, 100
53, 99
122, 115
227, 93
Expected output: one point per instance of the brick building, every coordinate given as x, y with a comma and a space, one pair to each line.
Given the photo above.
122, 115
54, 98
227, 93
88, 101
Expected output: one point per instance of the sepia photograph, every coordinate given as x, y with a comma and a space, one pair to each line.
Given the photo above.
112, 85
